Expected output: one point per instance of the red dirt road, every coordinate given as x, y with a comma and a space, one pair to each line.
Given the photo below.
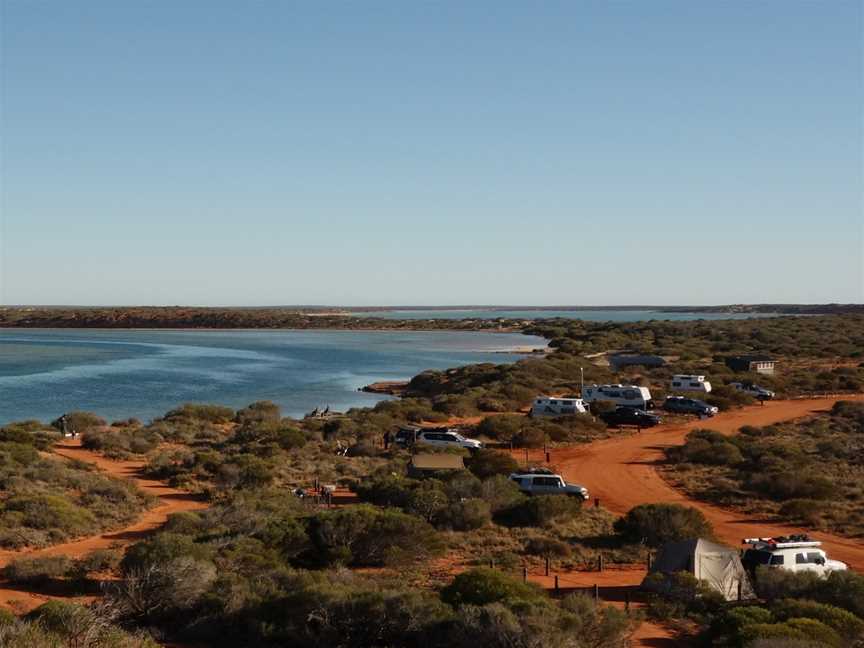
621, 472
170, 500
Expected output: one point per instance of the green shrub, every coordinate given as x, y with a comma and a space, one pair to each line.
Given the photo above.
547, 547
540, 510
482, 586
486, 463
842, 621
162, 549
38, 570
656, 524
201, 412
464, 515
366, 535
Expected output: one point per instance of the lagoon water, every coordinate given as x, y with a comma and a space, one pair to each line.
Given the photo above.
119, 374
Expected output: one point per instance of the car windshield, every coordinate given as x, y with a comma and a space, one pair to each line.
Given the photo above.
759, 557
458, 437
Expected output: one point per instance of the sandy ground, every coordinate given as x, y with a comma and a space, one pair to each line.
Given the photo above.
621, 472
170, 500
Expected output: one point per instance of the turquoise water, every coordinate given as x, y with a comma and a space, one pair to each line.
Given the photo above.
589, 315
119, 374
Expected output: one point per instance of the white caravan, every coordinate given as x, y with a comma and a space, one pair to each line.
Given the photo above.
620, 395
551, 406
690, 383
797, 553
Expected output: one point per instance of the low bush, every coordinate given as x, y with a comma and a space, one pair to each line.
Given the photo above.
482, 586
656, 524
486, 463
37, 571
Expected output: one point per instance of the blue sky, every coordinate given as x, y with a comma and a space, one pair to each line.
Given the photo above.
233, 153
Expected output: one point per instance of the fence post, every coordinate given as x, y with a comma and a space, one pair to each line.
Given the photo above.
600, 562
491, 563
524, 574
526, 456
627, 601
557, 589
596, 592
596, 502
547, 571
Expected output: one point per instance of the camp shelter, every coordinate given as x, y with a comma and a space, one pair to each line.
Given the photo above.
431, 462
716, 564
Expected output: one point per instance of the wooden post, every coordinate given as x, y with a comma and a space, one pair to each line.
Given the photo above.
600, 562
491, 563
526, 456
548, 457
524, 574
596, 592
627, 601
547, 571
596, 502
557, 589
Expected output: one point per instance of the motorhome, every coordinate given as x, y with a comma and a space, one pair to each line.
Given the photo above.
689, 383
797, 553
552, 406
621, 395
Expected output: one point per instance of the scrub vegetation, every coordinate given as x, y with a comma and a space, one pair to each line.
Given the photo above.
808, 472
45, 501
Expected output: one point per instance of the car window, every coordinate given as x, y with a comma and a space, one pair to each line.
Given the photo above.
777, 559
517, 480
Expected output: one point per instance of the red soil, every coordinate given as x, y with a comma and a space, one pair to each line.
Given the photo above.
170, 500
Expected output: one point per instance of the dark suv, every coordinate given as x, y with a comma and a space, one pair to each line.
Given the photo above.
630, 416
683, 405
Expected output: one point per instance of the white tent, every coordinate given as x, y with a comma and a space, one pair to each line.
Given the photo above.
716, 564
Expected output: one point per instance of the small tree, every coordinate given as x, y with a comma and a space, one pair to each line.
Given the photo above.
656, 524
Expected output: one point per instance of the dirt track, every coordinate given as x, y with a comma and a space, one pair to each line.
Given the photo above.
170, 500
621, 472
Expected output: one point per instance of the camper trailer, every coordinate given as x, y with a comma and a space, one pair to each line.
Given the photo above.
689, 383
620, 395
550, 406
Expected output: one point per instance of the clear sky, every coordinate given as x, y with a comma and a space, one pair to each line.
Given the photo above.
220, 152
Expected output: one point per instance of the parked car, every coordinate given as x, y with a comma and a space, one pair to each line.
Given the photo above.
547, 483
447, 439
797, 553
630, 416
753, 390
683, 405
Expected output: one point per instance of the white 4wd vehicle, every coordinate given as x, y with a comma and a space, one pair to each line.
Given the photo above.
441, 439
547, 483
795, 553
753, 390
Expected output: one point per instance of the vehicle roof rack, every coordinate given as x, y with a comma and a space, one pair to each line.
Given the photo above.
782, 542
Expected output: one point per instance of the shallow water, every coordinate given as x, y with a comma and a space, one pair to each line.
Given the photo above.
118, 374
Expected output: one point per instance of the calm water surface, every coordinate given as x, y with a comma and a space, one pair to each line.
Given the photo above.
119, 374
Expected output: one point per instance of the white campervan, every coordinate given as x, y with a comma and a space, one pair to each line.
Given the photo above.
621, 395
689, 383
551, 406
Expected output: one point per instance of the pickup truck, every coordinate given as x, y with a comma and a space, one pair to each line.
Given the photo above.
547, 483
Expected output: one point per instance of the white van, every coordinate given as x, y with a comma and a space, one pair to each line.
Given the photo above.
689, 383
551, 406
621, 395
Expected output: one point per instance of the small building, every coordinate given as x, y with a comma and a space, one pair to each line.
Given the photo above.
716, 564
552, 406
754, 363
427, 463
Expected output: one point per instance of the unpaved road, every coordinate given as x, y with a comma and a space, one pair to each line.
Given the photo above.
621, 472
170, 500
